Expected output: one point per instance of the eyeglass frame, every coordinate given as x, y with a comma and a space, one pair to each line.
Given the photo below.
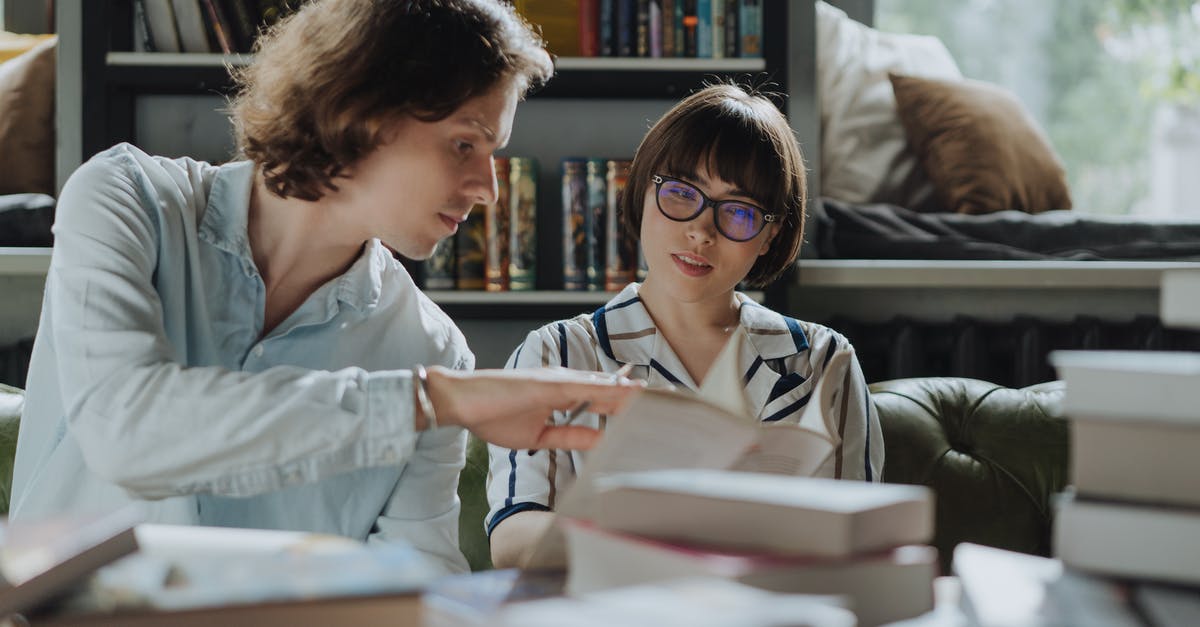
706, 202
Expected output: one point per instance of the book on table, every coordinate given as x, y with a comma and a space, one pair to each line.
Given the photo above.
714, 429
45, 560
1152, 542
880, 586
191, 575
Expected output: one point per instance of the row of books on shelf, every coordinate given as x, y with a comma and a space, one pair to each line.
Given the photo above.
225, 26
496, 248
706, 29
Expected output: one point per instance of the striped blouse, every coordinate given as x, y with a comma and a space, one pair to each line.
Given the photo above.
782, 361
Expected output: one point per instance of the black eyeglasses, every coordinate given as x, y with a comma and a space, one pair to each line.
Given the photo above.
734, 219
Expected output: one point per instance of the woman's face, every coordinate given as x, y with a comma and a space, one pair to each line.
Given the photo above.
692, 261
423, 180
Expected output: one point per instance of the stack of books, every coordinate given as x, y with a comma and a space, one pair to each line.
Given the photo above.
1134, 514
864, 542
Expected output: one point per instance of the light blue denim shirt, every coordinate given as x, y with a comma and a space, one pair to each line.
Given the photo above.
150, 381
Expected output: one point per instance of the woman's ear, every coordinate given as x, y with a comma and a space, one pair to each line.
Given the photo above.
772, 231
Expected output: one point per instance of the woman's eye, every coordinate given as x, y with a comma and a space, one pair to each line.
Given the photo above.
463, 147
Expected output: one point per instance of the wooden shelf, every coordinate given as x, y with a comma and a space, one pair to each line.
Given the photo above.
1070, 275
575, 77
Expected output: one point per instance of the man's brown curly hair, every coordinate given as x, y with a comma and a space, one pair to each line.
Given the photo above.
326, 80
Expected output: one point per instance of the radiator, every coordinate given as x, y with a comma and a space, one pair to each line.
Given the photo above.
1012, 353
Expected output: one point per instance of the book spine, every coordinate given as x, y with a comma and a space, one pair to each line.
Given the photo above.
163, 30
219, 26
626, 27
245, 24
643, 28
656, 25
496, 229
193, 34
522, 233
142, 26
704, 29
589, 28
597, 228
668, 27
439, 268
690, 23
608, 25
575, 213
750, 27
732, 36
470, 246
620, 255
677, 25
718, 28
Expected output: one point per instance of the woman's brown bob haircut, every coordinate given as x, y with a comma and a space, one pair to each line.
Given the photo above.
326, 80
743, 139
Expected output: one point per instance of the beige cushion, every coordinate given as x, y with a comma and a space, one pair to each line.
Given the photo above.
980, 147
27, 121
864, 153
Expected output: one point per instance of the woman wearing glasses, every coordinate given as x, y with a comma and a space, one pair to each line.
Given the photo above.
717, 193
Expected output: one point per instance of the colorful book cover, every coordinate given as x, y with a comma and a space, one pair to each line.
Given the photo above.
718, 28
597, 194
522, 199
732, 34
608, 28
704, 28
575, 222
668, 28
750, 26
470, 244
620, 254
496, 228
439, 268
626, 27
690, 23
589, 28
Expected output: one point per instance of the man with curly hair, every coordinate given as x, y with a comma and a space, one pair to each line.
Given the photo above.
236, 344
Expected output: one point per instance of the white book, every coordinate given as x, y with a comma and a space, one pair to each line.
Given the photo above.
1179, 298
1007, 589
43, 560
1143, 461
692, 602
1124, 540
160, 18
1167, 606
761, 512
1131, 385
666, 429
189, 18
879, 587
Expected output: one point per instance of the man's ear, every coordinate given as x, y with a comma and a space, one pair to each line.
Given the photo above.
772, 231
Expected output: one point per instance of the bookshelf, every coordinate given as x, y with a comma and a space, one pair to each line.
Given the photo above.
102, 76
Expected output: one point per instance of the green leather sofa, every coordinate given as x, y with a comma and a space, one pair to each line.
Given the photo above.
992, 455
11, 401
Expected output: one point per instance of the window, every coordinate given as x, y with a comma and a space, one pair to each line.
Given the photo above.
1114, 83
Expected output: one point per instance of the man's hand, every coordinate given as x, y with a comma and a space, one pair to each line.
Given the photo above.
512, 408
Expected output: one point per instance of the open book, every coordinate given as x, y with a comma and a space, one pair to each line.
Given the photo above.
715, 429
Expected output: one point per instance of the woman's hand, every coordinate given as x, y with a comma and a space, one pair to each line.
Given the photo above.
512, 408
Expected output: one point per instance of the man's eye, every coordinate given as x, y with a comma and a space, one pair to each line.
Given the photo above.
463, 147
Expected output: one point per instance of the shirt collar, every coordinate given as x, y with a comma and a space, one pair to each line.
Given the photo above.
626, 332
225, 225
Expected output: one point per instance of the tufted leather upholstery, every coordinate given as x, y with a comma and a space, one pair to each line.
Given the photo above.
993, 456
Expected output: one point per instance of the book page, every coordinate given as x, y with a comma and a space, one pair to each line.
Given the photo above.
660, 429
801, 449
722, 385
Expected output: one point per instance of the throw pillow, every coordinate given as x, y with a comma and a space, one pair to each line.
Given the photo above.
980, 147
27, 121
864, 155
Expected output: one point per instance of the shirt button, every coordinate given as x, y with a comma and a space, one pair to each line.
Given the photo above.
389, 455
258, 350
